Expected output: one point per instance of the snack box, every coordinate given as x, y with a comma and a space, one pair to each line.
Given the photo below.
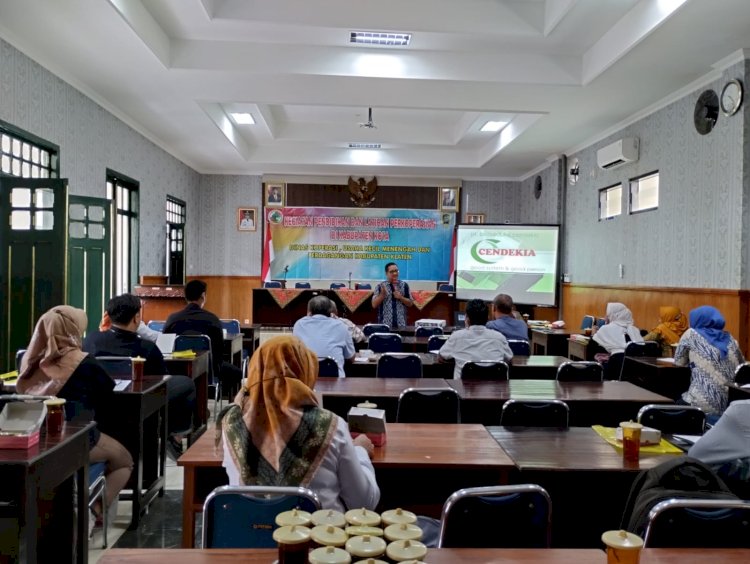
649, 436
371, 422
20, 423
430, 323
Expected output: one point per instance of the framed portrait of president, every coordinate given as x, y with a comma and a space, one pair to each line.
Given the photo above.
448, 199
247, 219
275, 194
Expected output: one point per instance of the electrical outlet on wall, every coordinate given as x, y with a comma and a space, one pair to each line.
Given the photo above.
566, 277
621, 270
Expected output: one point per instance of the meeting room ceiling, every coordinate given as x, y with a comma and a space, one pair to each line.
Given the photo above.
557, 73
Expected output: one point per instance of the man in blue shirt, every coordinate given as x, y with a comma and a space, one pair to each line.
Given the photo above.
323, 334
504, 322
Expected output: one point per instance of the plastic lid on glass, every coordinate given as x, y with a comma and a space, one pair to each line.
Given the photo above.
295, 534
329, 555
367, 405
358, 531
293, 517
631, 425
363, 517
406, 550
403, 531
365, 546
622, 539
329, 517
394, 516
54, 401
328, 535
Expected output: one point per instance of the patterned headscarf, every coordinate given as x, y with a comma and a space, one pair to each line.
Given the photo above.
275, 430
709, 322
673, 324
54, 351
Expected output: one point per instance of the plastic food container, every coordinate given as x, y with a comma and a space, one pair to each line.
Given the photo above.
398, 516
293, 517
363, 517
403, 550
365, 547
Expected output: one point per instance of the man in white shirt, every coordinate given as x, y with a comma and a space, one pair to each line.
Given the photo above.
323, 334
476, 342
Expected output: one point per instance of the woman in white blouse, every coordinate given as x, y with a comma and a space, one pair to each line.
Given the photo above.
276, 434
619, 330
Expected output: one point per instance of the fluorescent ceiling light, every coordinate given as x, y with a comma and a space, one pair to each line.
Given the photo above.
364, 145
493, 126
243, 118
380, 38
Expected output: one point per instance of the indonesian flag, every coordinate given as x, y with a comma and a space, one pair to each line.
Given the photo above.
453, 259
265, 271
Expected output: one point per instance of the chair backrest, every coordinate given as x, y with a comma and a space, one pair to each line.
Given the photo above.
156, 325
485, 370
446, 288
429, 405
536, 413
588, 322
520, 347
362, 286
516, 516
427, 331
119, 367
613, 370
370, 328
302, 285
684, 419
19, 358
272, 284
244, 516
399, 365
698, 523
600, 322
231, 325
337, 285
192, 342
580, 371
646, 348
327, 367
384, 342
435, 342
741, 375
459, 319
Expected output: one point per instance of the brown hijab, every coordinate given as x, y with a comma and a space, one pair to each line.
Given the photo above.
276, 431
673, 324
54, 351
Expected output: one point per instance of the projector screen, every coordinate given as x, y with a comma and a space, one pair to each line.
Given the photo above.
518, 260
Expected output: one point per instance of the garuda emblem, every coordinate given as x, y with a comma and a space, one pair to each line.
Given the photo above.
362, 193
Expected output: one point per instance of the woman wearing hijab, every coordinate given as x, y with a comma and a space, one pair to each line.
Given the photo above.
619, 330
55, 365
713, 355
673, 324
276, 434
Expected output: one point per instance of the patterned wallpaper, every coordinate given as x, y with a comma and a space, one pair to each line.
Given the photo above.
695, 237
92, 140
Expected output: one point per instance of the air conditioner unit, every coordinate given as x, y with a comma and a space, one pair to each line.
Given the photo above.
618, 153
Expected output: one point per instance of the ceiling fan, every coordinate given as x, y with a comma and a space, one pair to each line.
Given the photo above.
369, 124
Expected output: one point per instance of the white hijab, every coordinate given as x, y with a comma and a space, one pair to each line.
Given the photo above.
620, 323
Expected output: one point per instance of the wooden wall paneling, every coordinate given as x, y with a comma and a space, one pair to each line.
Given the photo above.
644, 302
230, 297
332, 195
153, 279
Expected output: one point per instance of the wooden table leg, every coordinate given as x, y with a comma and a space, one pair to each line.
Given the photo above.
188, 513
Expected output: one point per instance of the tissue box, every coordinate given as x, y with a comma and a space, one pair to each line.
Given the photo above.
649, 436
20, 423
430, 323
371, 422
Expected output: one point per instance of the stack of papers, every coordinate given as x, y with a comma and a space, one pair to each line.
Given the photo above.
184, 354
120, 385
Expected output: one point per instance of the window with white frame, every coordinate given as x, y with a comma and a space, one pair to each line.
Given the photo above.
610, 202
124, 192
26, 155
644, 193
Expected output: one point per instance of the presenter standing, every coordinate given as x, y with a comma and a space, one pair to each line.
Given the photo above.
391, 298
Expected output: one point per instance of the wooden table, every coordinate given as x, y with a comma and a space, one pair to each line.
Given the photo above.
550, 341
658, 375
578, 350
586, 477
604, 403
197, 369
434, 556
138, 420
418, 468
232, 351
431, 367
535, 367
33, 531
341, 394
250, 337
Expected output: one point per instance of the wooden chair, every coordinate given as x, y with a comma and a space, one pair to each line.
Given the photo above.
518, 516
429, 405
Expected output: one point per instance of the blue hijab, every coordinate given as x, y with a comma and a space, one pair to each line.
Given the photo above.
707, 321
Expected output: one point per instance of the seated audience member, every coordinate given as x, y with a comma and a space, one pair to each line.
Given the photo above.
55, 365
276, 434
505, 321
619, 330
357, 335
713, 355
323, 334
726, 446
193, 319
668, 332
476, 342
121, 339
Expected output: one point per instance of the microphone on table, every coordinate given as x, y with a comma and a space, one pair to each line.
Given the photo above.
286, 269
350, 280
